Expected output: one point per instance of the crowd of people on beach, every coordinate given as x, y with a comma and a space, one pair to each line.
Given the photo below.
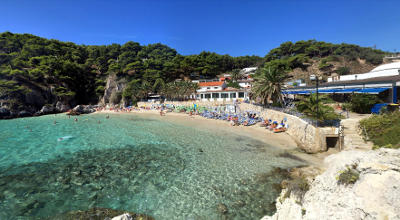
246, 118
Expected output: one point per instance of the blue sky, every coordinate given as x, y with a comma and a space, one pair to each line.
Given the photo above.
237, 28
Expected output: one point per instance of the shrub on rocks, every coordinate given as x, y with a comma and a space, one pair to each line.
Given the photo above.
297, 186
348, 176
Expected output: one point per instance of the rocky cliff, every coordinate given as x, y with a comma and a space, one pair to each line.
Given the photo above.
36, 100
326, 68
113, 90
372, 193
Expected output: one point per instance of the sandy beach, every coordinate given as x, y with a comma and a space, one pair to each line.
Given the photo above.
281, 140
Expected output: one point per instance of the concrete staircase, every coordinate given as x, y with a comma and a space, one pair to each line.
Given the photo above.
352, 134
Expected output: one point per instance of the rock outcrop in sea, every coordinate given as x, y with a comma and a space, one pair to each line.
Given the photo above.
84, 109
373, 192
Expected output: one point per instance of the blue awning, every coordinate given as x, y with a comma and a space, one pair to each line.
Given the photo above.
322, 91
327, 91
337, 90
372, 90
295, 92
340, 91
346, 90
303, 92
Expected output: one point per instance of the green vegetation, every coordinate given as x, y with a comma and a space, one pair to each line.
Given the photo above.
308, 106
324, 65
78, 72
179, 90
383, 130
233, 84
298, 185
343, 70
267, 84
362, 103
297, 55
348, 176
233, 81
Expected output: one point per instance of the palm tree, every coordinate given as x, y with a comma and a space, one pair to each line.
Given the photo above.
267, 85
158, 84
236, 75
317, 110
179, 90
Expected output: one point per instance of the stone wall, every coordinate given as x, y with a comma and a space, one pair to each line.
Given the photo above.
307, 137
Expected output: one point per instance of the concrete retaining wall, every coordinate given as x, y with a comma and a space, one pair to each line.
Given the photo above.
308, 137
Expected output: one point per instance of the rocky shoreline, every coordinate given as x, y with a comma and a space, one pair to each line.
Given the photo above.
355, 185
5, 113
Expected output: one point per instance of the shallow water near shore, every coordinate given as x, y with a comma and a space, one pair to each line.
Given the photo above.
134, 163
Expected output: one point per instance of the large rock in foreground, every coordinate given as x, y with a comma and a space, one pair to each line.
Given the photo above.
374, 195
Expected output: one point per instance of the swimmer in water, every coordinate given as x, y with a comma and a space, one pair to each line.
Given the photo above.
55, 122
65, 138
107, 116
75, 119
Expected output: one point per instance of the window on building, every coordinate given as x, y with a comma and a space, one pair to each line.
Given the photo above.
224, 95
233, 95
208, 87
215, 95
202, 96
207, 96
215, 87
241, 94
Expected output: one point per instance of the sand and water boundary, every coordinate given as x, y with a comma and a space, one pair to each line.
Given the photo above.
280, 140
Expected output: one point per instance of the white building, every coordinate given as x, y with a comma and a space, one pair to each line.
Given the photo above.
248, 70
384, 80
218, 91
390, 69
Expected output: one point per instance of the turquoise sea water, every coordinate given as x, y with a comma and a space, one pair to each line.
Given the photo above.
135, 163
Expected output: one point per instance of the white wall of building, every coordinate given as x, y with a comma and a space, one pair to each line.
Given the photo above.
229, 96
391, 69
244, 84
209, 88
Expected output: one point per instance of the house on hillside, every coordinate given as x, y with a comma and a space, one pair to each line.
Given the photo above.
217, 90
